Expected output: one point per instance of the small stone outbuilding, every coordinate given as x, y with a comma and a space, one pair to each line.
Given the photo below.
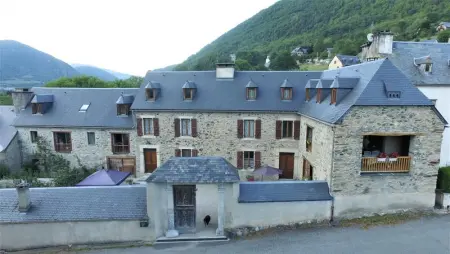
172, 194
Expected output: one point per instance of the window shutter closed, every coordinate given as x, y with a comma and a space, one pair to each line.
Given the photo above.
139, 126
177, 153
156, 126
194, 127
194, 152
240, 128
239, 162
297, 130
258, 129
257, 160
177, 127
278, 130
112, 142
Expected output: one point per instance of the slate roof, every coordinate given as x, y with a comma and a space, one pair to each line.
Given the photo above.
7, 131
76, 204
369, 90
283, 191
348, 60
224, 95
195, 170
64, 111
403, 54
447, 24
105, 178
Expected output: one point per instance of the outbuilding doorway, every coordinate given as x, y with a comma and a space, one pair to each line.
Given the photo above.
184, 208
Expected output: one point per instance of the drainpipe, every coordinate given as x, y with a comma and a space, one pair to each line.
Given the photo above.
331, 178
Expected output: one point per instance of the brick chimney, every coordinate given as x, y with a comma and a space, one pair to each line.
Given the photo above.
21, 98
23, 193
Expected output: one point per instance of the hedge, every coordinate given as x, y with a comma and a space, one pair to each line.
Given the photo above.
443, 180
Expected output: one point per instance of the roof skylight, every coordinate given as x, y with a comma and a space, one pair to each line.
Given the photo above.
84, 108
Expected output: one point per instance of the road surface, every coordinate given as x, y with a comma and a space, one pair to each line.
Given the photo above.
425, 236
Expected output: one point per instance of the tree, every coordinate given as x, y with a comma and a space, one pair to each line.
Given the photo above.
243, 65
283, 62
443, 36
94, 82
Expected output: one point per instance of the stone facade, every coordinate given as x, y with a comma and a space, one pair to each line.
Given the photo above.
89, 155
217, 136
382, 189
11, 156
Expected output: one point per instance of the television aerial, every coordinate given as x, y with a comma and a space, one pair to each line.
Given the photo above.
370, 37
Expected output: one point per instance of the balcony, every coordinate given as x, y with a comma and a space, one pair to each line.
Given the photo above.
376, 165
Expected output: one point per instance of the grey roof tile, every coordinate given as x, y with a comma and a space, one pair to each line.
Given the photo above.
283, 191
189, 85
153, 85
286, 84
195, 170
251, 84
42, 98
125, 99
348, 60
76, 204
7, 131
345, 82
64, 111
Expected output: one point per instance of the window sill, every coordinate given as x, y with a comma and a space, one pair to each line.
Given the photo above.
248, 139
121, 153
63, 151
186, 137
289, 138
385, 174
148, 136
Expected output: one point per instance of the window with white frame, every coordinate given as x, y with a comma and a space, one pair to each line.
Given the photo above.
287, 129
186, 152
186, 127
147, 126
249, 159
249, 128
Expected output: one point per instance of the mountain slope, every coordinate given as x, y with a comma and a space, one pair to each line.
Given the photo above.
119, 75
167, 68
342, 24
94, 71
22, 64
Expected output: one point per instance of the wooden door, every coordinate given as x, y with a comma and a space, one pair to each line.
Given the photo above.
307, 170
184, 208
126, 164
150, 160
287, 165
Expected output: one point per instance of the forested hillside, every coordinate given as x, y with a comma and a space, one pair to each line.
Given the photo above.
94, 71
341, 24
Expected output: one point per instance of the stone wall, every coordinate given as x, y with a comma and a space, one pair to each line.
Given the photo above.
30, 235
12, 156
217, 136
359, 193
89, 155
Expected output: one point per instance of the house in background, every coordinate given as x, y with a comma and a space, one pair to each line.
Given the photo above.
91, 124
340, 61
10, 154
330, 52
426, 64
443, 26
302, 50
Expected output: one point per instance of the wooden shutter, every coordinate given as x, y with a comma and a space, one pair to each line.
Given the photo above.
112, 142
239, 161
194, 152
297, 130
240, 128
70, 140
177, 153
33, 108
258, 129
257, 160
177, 127
278, 130
156, 126
194, 127
139, 126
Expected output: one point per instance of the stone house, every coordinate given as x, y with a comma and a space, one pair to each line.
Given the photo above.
9, 142
340, 61
443, 26
426, 64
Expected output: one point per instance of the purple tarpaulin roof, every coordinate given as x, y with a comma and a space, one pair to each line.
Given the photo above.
105, 178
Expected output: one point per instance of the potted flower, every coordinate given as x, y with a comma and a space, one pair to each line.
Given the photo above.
250, 178
382, 157
393, 156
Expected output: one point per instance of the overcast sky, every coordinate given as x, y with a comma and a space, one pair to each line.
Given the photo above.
130, 36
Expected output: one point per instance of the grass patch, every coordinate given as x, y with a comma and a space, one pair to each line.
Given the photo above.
387, 219
5, 99
313, 67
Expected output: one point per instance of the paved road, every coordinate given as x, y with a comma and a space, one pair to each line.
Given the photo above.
426, 236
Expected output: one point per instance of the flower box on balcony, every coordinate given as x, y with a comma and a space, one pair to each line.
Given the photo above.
392, 159
381, 159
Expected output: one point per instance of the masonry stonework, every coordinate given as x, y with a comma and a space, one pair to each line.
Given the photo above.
217, 136
11, 156
320, 156
89, 155
381, 191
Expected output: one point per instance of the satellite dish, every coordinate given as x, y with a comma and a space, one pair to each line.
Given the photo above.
370, 37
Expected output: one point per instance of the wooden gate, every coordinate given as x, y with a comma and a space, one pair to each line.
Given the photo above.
184, 208
126, 164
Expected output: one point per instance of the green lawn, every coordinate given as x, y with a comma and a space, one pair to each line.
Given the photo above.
5, 99
313, 67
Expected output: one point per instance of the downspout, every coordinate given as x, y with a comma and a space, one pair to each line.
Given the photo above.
331, 179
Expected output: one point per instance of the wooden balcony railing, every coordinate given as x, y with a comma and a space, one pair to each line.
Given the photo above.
374, 165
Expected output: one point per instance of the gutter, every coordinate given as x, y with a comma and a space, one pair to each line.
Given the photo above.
331, 179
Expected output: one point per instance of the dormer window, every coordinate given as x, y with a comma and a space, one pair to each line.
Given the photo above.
41, 103
189, 90
151, 90
286, 90
307, 95
124, 104
333, 95
425, 63
428, 67
318, 95
37, 108
123, 109
251, 90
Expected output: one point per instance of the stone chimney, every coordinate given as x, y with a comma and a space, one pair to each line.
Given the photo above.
384, 41
225, 71
21, 98
23, 193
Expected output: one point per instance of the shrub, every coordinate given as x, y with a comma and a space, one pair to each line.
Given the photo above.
4, 171
443, 180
